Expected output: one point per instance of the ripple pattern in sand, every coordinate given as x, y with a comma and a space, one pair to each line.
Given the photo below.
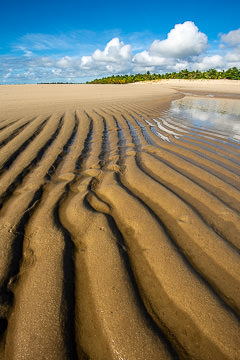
119, 237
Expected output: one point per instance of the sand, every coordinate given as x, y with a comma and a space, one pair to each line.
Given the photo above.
119, 236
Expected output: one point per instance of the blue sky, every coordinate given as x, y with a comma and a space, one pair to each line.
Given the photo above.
77, 40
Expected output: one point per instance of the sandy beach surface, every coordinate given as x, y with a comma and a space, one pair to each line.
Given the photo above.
119, 224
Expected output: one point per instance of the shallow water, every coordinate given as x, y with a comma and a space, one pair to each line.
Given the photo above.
221, 115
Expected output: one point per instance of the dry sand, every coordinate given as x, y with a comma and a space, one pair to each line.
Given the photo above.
116, 243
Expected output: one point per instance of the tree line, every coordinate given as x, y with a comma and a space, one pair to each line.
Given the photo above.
232, 74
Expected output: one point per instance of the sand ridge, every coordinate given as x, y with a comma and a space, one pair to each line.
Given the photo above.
119, 226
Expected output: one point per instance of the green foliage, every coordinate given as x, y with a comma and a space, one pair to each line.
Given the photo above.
233, 74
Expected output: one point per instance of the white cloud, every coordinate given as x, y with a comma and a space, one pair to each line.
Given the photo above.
231, 46
172, 54
7, 75
64, 62
57, 71
208, 62
144, 58
144, 61
114, 51
86, 62
115, 58
182, 41
234, 55
186, 47
232, 38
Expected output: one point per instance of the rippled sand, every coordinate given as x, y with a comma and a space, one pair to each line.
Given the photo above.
119, 226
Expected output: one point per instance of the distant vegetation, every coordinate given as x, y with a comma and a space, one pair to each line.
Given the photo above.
232, 74
57, 82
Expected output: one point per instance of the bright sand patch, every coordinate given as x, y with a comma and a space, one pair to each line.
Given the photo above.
119, 225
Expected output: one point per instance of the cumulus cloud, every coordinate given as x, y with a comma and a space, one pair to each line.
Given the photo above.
182, 41
64, 62
115, 58
187, 47
208, 62
232, 38
231, 46
146, 62
233, 56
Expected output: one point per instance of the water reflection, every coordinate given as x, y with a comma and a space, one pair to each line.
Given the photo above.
208, 113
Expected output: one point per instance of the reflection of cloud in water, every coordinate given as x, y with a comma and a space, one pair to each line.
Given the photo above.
218, 114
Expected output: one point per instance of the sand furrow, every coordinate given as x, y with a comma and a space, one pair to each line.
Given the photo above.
219, 216
203, 157
17, 145
231, 152
225, 221
218, 139
201, 162
51, 171
28, 158
208, 253
226, 192
45, 268
109, 154
231, 156
81, 159
210, 155
212, 139
92, 163
6, 123
11, 132
39, 304
153, 259
169, 122
197, 241
109, 313
169, 138
119, 226
109, 322
221, 134
16, 209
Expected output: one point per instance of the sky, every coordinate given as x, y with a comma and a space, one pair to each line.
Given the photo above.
76, 41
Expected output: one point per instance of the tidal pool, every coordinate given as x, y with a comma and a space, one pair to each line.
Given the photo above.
221, 115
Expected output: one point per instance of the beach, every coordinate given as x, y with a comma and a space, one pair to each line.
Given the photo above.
119, 221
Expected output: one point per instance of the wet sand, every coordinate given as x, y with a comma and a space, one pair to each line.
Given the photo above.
119, 225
